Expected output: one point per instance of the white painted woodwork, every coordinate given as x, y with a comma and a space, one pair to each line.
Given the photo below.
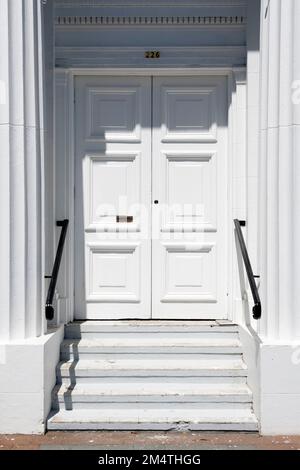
134, 56
64, 192
216, 4
193, 34
190, 183
22, 160
251, 130
150, 21
113, 178
119, 161
198, 379
238, 304
65, 161
280, 170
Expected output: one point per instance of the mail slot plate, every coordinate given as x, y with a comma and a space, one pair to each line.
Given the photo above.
124, 219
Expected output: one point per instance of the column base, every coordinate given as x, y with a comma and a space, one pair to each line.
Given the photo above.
280, 389
274, 378
27, 377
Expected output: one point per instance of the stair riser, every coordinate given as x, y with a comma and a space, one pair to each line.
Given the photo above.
115, 426
69, 405
146, 355
208, 402
99, 380
167, 407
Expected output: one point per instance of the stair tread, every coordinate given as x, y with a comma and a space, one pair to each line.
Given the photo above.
152, 341
158, 326
173, 364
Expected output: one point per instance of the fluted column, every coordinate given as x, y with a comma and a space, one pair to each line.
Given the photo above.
280, 170
21, 149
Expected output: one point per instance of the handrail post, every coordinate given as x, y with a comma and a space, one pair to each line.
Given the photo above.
49, 309
256, 311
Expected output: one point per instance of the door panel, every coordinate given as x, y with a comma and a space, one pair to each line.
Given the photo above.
139, 140
112, 183
189, 181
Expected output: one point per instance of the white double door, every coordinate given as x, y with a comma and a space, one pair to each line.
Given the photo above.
151, 197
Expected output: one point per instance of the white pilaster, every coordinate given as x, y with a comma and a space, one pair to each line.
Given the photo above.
280, 170
64, 193
21, 187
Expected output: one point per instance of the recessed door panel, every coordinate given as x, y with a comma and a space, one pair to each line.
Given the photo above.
188, 114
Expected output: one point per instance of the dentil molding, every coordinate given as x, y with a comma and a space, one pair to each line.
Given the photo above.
156, 3
84, 21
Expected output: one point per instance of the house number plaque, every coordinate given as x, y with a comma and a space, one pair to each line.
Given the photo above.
152, 54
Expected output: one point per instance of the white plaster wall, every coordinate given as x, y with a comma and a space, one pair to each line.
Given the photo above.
27, 377
51, 359
251, 354
274, 378
280, 389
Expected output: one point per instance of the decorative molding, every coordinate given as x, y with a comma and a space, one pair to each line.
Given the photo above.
116, 247
115, 21
240, 76
188, 247
152, 3
205, 56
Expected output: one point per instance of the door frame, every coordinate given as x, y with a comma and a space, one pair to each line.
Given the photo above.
64, 177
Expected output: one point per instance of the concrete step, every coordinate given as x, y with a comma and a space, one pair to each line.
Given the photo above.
95, 348
106, 329
162, 417
93, 375
71, 372
130, 391
69, 404
155, 375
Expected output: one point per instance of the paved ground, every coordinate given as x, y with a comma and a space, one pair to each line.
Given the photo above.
148, 440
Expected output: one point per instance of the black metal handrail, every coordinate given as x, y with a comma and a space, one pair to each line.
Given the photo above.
251, 277
49, 309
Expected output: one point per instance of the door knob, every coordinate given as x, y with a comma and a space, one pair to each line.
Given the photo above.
156, 201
